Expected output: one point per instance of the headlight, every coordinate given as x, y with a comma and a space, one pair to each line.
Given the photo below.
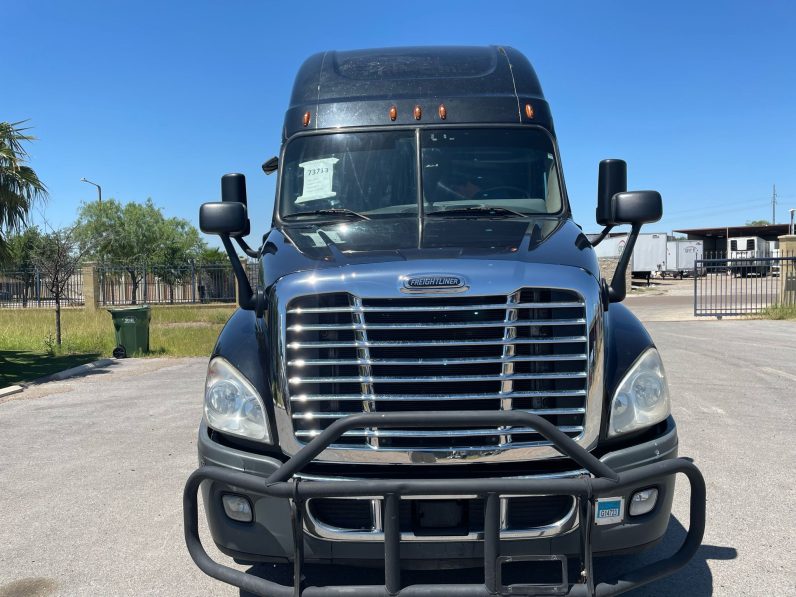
232, 405
642, 398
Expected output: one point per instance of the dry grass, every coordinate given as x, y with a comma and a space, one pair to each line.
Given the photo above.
780, 312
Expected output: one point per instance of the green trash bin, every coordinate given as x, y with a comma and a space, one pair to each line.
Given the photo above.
132, 330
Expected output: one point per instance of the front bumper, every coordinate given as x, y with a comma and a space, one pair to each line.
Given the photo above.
279, 502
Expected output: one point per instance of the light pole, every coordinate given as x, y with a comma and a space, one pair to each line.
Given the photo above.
792, 231
99, 188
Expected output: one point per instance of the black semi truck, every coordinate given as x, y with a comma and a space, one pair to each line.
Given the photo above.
431, 372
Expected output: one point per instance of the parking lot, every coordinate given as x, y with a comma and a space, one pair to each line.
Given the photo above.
93, 468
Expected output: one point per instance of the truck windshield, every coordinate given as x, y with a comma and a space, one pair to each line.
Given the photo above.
500, 172
478, 173
373, 174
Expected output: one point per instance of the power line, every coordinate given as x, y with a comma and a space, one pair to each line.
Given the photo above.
739, 206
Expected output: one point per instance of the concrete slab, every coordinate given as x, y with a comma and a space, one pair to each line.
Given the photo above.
93, 469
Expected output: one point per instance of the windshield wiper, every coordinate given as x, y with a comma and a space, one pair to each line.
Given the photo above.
332, 211
477, 211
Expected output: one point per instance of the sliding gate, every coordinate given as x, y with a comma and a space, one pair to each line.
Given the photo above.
742, 286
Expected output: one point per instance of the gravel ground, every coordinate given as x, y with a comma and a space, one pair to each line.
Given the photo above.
93, 469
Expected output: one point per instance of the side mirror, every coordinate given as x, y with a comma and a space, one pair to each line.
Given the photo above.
227, 218
271, 165
612, 179
636, 207
233, 190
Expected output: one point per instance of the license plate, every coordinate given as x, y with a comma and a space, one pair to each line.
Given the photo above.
439, 514
610, 510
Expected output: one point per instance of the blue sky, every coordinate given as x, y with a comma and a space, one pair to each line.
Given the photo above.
159, 99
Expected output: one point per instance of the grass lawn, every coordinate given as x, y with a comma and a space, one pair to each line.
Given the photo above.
26, 335
23, 365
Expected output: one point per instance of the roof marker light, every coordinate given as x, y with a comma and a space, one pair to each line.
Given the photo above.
418, 112
393, 113
443, 111
529, 110
306, 120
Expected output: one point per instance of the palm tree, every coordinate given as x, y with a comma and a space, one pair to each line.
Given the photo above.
20, 187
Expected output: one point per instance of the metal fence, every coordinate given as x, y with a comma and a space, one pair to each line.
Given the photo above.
116, 285
159, 284
743, 283
28, 288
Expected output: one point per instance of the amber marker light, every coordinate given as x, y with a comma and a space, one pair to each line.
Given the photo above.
418, 112
393, 113
306, 119
443, 111
529, 110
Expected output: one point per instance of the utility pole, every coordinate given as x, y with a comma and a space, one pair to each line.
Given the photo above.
774, 206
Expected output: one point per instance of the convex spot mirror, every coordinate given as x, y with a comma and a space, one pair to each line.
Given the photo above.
636, 207
226, 217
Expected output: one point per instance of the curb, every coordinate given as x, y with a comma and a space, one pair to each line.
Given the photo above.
10, 390
74, 371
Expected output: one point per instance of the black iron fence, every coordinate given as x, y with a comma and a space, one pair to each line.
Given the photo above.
30, 288
743, 283
118, 285
169, 284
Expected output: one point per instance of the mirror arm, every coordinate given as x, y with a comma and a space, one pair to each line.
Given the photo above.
246, 298
618, 289
255, 254
602, 235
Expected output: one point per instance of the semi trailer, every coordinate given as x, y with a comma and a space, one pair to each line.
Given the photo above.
682, 256
431, 372
749, 255
649, 252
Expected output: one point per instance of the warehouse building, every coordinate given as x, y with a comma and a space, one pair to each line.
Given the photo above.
715, 239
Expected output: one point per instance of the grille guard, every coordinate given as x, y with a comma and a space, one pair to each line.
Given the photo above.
282, 484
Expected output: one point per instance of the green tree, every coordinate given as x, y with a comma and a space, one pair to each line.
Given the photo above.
57, 256
20, 259
212, 256
20, 186
758, 223
136, 237
179, 248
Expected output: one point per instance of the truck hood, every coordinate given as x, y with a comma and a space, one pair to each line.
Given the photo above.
315, 246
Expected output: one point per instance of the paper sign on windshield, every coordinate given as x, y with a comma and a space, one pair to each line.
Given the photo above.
318, 178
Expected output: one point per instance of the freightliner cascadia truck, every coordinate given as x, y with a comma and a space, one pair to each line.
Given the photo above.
430, 371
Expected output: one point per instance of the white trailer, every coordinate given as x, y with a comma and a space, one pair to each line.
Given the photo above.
747, 256
681, 256
775, 265
649, 254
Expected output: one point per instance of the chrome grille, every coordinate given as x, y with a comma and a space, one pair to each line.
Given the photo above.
528, 350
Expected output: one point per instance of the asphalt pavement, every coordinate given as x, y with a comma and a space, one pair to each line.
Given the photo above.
92, 471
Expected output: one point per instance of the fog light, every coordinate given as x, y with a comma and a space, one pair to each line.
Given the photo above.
237, 507
643, 501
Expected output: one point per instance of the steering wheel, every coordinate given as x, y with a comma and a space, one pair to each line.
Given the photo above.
518, 192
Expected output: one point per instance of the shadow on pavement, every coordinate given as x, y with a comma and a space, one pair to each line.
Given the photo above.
18, 366
695, 580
